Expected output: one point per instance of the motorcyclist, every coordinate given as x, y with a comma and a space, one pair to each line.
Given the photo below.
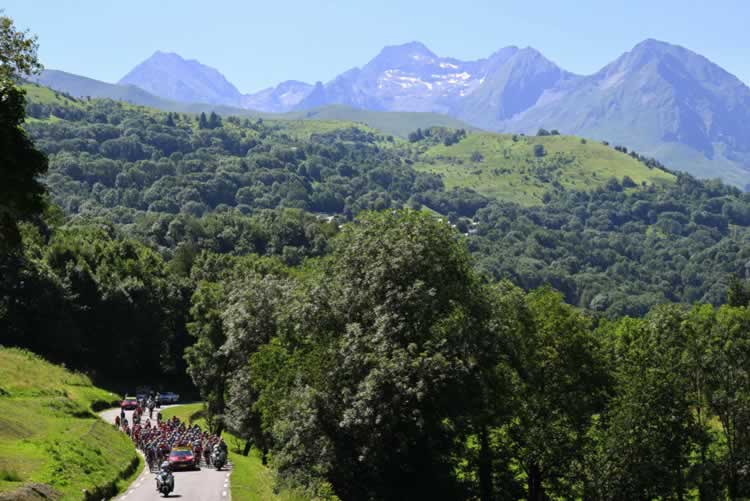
165, 475
220, 453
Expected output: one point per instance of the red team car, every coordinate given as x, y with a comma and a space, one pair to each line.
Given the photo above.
129, 403
182, 458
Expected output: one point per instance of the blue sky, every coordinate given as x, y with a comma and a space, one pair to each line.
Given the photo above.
260, 43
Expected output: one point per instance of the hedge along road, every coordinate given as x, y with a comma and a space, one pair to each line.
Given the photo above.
205, 484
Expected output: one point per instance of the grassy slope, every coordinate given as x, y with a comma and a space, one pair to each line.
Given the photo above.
48, 433
510, 171
250, 481
43, 95
305, 128
397, 123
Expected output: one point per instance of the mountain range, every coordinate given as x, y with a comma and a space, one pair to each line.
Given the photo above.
660, 99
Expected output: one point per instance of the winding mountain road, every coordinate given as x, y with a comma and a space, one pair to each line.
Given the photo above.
205, 484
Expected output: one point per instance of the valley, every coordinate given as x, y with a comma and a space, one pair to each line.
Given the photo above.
473, 279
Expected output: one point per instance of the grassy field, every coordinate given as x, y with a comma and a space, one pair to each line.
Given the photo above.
303, 129
43, 95
505, 167
49, 434
392, 122
250, 480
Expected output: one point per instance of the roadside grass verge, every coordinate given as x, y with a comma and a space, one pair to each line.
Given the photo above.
49, 434
250, 479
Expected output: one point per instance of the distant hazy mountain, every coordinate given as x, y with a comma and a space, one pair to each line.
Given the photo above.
80, 86
410, 77
514, 80
170, 76
282, 98
405, 77
661, 99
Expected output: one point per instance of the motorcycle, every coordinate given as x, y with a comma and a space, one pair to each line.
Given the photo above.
218, 459
164, 483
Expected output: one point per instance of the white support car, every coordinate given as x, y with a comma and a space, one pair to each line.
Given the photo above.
168, 398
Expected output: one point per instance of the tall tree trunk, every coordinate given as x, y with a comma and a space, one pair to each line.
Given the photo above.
732, 487
264, 456
534, 483
702, 481
246, 450
680, 486
485, 466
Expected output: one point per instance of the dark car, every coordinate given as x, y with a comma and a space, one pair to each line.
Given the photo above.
182, 458
129, 403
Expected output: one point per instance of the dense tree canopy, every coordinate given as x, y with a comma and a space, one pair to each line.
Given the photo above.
622, 252
110, 159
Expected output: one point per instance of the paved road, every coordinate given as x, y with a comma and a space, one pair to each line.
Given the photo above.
206, 484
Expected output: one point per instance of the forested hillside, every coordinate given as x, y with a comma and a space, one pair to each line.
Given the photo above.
622, 251
612, 230
111, 158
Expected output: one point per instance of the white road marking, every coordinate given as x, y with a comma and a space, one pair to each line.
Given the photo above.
224, 493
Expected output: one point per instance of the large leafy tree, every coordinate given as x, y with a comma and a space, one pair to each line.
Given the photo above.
728, 392
560, 386
250, 321
504, 319
383, 357
651, 429
208, 365
21, 164
231, 315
